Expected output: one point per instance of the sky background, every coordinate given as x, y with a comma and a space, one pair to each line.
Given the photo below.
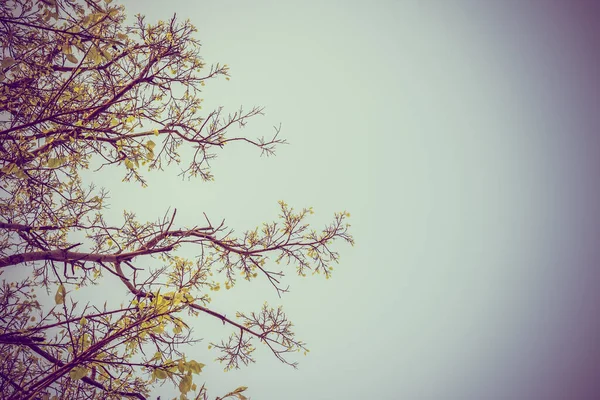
462, 136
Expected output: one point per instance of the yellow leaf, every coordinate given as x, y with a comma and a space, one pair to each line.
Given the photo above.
59, 297
105, 53
195, 366
95, 55
72, 58
7, 169
83, 321
156, 132
53, 162
186, 384
7, 62
158, 329
188, 297
78, 373
160, 374
14, 169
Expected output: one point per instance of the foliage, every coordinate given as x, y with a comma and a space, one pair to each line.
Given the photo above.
82, 88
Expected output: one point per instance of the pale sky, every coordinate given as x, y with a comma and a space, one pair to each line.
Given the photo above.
462, 136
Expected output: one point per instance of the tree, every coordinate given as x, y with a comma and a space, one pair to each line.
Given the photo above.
82, 89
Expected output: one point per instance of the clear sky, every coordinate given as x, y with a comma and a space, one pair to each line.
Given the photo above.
462, 136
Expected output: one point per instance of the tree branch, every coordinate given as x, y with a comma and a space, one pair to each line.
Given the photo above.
85, 379
71, 256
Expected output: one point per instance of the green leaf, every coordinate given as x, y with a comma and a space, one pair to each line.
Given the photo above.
78, 373
59, 297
